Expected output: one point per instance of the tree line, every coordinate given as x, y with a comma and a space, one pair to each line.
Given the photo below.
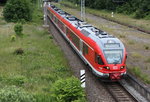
137, 8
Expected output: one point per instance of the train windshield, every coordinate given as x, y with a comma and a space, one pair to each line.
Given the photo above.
114, 56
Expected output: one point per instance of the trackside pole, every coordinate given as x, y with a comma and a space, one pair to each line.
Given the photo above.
45, 15
112, 14
82, 78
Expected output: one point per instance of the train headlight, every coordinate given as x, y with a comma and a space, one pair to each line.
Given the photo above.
106, 67
122, 67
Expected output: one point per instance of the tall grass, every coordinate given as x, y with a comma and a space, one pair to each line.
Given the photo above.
41, 64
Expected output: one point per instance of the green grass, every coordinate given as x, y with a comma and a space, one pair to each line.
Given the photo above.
141, 23
148, 60
41, 64
137, 72
136, 55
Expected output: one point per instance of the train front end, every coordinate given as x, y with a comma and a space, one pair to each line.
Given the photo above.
113, 54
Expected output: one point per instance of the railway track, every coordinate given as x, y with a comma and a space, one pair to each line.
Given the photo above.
119, 93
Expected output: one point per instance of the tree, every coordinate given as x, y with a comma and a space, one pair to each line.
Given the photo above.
16, 10
3, 1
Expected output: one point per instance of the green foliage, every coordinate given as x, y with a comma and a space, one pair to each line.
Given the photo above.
14, 94
137, 71
146, 47
67, 90
140, 8
19, 51
13, 38
3, 1
18, 28
15, 10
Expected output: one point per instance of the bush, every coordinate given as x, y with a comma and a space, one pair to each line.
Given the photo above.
19, 51
14, 94
3, 1
13, 38
15, 10
18, 28
68, 90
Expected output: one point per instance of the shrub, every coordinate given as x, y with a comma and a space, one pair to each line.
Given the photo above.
19, 51
13, 38
67, 90
18, 28
146, 47
14, 94
16, 80
15, 10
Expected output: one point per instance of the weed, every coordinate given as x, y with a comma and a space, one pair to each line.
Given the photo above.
122, 36
13, 38
131, 42
15, 94
146, 47
16, 80
137, 72
136, 55
19, 51
51, 37
148, 60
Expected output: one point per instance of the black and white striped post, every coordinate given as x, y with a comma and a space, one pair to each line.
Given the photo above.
82, 78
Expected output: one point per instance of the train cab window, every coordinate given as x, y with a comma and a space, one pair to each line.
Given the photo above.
85, 49
98, 59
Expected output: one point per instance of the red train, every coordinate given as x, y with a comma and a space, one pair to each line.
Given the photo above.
104, 53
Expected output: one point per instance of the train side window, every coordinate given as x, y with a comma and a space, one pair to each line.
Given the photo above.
98, 59
75, 39
85, 49
68, 31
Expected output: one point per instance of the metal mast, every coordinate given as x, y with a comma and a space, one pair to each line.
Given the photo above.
83, 9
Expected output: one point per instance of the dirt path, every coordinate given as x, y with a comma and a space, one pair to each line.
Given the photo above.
137, 43
95, 91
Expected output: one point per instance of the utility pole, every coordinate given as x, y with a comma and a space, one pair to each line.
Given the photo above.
82, 9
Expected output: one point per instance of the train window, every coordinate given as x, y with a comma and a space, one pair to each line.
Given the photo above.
68, 31
86, 33
98, 59
75, 39
85, 49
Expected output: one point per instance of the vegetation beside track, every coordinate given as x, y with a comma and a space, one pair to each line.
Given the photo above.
127, 20
38, 67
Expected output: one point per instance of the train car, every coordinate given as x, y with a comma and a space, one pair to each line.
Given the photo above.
104, 53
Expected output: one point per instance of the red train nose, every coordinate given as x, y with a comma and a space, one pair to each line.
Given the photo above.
115, 76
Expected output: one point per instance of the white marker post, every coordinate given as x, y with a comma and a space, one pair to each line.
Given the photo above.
112, 14
45, 15
82, 78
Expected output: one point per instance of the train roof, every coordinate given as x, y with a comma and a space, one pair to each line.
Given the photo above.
102, 38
